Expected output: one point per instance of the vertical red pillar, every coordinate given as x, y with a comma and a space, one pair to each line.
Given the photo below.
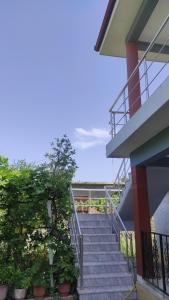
134, 83
141, 211
139, 176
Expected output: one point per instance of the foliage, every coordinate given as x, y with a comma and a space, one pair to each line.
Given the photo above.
61, 159
26, 231
68, 273
65, 268
126, 250
6, 272
40, 267
21, 279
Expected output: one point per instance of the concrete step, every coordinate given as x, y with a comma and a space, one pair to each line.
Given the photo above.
105, 267
106, 293
87, 238
105, 280
103, 256
96, 230
100, 246
92, 223
93, 217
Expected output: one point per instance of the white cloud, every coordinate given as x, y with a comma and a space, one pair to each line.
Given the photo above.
90, 138
94, 132
85, 145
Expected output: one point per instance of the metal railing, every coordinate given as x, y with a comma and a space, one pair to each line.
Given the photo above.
77, 237
150, 76
123, 175
125, 238
92, 200
156, 260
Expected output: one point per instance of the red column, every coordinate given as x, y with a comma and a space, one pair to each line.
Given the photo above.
134, 83
141, 210
139, 176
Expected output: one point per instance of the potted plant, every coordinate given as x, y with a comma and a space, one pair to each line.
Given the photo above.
21, 281
66, 277
39, 285
66, 272
5, 280
40, 270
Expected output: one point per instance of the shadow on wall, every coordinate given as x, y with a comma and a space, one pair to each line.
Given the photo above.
161, 216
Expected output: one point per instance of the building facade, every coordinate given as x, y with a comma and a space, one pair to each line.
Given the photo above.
138, 30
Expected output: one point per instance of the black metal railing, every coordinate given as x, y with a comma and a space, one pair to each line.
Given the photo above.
156, 260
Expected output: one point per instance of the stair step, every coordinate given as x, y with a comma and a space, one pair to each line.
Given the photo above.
106, 293
102, 246
96, 230
103, 256
105, 267
104, 279
105, 271
93, 217
99, 238
95, 223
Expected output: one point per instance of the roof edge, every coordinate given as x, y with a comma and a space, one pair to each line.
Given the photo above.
104, 25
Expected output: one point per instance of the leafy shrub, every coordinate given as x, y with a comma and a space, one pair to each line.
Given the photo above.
26, 231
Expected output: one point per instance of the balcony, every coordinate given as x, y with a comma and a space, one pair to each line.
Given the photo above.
127, 133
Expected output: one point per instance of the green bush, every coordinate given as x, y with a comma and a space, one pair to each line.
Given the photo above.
26, 231
6, 273
22, 279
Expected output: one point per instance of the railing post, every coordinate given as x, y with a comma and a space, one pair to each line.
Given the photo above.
146, 79
118, 186
162, 263
125, 106
132, 258
114, 124
81, 260
127, 251
125, 172
90, 199
119, 236
111, 125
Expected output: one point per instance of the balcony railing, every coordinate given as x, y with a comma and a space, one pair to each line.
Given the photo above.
156, 260
151, 75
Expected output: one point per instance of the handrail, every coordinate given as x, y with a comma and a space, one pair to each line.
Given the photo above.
115, 211
78, 237
140, 62
120, 229
91, 190
75, 212
123, 168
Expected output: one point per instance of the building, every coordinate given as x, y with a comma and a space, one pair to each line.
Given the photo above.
138, 30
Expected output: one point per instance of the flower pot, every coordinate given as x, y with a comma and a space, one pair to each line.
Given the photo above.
20, 294
39, 292
3, 291
64, 289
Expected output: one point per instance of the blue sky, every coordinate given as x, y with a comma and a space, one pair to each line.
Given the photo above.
53, 82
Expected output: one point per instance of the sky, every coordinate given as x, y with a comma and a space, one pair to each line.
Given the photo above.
52, 82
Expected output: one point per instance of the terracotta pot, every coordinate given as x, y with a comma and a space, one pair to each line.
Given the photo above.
39, 292
64, 289
3, 291
20, 294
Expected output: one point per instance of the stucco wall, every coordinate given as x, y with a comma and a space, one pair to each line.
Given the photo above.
161, 216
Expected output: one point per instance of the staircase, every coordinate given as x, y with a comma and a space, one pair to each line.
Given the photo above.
158, 186
105, 272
